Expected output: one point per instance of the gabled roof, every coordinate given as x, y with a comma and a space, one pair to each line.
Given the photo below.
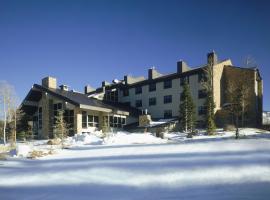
78, 99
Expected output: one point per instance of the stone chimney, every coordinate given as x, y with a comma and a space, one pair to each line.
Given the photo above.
130, 79
105, 83
212, 58
153, 73
88, 89
49, 82
182, 67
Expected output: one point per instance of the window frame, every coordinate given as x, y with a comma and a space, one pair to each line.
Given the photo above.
152, 101
165, 114
183, 79
126, 92
138, 90
167, 99
167, 84
137, 102
151, 89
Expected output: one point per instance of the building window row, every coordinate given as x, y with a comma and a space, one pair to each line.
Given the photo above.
117, 122
153, 101
93, 121
111, 95
89, 120
152, 86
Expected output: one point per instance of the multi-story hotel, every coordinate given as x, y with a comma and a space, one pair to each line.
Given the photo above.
120, 103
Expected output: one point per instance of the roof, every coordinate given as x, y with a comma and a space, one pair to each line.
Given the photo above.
77, 99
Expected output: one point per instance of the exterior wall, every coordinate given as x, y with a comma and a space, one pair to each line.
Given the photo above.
45, 117
77, 120
217, 83
157, 111
46, 103
233, 75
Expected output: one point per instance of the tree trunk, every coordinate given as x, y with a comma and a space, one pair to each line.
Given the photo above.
186, 118
243, 113
15, 126
5, 121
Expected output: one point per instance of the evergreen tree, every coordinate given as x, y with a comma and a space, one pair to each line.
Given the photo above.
61, 128
207, 83
187, 110
210, 115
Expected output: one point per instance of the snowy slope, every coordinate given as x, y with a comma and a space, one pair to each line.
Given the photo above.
221, 168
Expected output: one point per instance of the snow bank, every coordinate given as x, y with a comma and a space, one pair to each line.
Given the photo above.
84, 138
22, 150
122, 138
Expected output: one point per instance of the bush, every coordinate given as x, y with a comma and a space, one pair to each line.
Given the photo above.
55, 141
21, 135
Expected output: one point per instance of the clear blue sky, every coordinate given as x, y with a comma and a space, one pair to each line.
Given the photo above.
85, 42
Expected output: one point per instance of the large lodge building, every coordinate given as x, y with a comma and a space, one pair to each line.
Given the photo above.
119, 104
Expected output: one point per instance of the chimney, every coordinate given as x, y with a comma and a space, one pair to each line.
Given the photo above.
105, 83
212, 58
49, 82
63, 87
88, 89
153, 73
182, 67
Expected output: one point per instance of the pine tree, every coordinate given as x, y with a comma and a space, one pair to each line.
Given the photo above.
210, 116
187, 110
209, 104
61, 128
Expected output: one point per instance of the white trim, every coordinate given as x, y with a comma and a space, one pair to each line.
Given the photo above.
87, 107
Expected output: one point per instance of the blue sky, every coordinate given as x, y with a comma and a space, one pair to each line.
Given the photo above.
86, 42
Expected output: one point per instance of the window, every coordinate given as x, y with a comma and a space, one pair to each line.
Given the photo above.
138, 90
182, 97
125, 92
202, 77
93, 121
117, 121
167, 114
40, 118
56, 107
69, 117
84, 119
152, 87
167, 99
167, 84
152, 101
111, 121
202, 110
184, 79
111, 95
202, 94
138, 103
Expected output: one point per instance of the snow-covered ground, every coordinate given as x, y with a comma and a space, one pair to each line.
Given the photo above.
130, 166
